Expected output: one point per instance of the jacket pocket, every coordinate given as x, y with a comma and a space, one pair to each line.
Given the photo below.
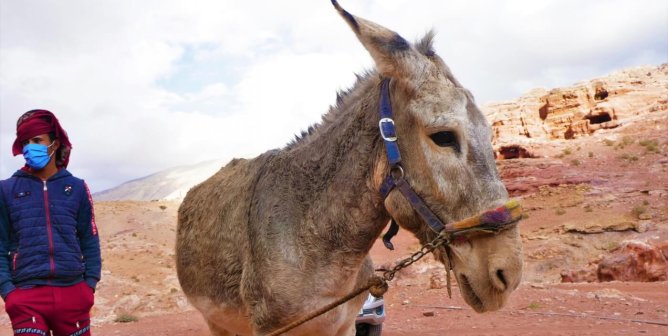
87, 295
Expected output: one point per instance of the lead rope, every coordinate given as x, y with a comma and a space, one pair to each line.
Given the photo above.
376, 285
448, 268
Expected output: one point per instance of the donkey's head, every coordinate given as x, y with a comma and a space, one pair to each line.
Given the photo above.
447, 157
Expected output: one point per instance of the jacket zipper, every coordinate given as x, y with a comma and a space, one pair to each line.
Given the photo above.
52, 264
14, 261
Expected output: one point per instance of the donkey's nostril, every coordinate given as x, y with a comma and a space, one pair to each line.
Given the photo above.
502, 278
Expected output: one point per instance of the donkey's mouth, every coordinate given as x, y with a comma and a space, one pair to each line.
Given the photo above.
469, 294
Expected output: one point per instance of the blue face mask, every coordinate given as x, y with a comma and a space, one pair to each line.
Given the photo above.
37, 155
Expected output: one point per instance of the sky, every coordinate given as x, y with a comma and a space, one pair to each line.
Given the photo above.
142, 86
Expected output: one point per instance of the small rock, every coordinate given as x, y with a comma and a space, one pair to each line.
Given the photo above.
428, 313
586, 274
539, 286
644, 226
658, 193
438, 279
598, 227
405, 302
644, 216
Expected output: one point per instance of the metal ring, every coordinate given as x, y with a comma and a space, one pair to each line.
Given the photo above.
398, 170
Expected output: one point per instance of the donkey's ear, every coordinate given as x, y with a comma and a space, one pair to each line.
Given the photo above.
394, 56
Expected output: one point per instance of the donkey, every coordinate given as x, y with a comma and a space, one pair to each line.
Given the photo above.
266, 240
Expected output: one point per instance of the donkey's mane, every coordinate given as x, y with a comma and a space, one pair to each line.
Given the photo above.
424, 46
334, 111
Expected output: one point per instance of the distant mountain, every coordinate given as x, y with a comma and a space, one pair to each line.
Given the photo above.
168, 184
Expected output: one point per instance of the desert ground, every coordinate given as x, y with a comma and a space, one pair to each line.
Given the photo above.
585, 199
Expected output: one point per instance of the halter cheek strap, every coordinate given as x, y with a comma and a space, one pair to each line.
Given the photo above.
490, 221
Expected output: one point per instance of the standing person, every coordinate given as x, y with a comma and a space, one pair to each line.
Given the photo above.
49, 247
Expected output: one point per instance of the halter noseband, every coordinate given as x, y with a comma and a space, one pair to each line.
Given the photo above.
490, 221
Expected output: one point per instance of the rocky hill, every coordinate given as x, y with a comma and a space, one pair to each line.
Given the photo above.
522, 125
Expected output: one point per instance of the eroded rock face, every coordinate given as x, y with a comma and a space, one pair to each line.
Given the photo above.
634, 261
580, 110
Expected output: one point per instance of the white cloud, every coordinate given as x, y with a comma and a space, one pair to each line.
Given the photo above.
146, 85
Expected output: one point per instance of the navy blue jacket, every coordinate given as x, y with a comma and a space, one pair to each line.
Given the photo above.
48, 234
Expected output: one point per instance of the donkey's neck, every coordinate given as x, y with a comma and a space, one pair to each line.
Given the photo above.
338, 161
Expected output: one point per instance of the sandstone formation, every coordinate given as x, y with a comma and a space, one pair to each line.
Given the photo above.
633, 260
521, 125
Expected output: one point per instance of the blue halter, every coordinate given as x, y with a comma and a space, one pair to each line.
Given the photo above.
395, 179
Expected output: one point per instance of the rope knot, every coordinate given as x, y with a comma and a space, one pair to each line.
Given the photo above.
377, 286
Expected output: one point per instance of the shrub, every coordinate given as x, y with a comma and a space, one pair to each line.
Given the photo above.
591, 154
628, 157
163, 207
611, 246
627, 140
651, 146
560, 211
638, 210
608, 142
126, 318
533, 305
575, 162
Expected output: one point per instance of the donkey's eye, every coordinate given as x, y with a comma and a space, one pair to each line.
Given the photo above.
445, 139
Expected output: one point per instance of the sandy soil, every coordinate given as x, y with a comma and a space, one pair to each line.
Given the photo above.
605, 178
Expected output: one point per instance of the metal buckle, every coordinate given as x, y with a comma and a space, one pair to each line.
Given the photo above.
397, 172
380, 126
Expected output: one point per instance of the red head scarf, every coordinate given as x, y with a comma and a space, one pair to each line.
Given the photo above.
36, 122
